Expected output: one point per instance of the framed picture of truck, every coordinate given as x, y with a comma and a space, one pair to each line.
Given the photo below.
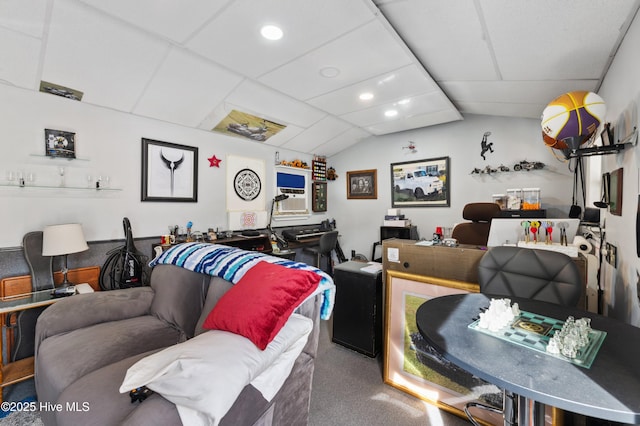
422, 183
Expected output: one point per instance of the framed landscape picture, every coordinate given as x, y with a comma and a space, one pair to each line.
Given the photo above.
169, 172
412, 365
422, 183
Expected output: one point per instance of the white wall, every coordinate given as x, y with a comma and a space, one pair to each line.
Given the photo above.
513, 140
621, 87
109, 143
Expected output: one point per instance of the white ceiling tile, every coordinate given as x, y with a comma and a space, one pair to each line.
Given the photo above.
503, 109
107, 60
417, 105
362, 54
285, 135
281, 108
185, 88
20, 53
520, 92
23, 16
172, 19
414, 122
406, 81
556, 40
446, 35
233, 38
322, 131
341, 142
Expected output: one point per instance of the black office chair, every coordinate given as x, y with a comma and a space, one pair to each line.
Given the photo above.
543, 275
326, 245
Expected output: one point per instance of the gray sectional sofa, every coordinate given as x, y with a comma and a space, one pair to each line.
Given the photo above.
86, 343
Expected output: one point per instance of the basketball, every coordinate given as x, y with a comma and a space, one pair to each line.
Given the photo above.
573, 114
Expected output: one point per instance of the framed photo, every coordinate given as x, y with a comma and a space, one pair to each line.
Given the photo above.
423, 183
58, 143
362, 184
412, 365
169, 172
615, 192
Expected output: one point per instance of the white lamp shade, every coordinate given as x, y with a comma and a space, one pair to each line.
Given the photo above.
63, 239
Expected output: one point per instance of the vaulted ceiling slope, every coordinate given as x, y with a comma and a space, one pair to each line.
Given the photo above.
191, 62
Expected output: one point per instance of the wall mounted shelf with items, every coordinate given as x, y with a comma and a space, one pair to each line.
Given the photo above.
62, 188
607, 147
50, 158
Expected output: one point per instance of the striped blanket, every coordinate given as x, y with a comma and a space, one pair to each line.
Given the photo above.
232, 263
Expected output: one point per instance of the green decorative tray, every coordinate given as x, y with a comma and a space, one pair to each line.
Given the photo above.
534, 331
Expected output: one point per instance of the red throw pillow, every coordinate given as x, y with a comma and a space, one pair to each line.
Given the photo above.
261, 302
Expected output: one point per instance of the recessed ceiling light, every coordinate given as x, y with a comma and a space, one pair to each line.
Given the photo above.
404, 101
391, 113
329, 72
366, 96
271, 32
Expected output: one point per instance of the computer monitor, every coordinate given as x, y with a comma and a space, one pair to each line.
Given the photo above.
510, 231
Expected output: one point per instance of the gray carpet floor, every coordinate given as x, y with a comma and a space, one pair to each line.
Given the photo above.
348, 389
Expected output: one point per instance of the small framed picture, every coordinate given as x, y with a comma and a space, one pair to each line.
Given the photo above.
169, 172
362, 184
58, 143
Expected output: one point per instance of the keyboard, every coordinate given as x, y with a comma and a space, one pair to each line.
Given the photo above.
302, 234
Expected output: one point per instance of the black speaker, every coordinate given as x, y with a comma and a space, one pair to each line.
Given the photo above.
357, 313
591, 215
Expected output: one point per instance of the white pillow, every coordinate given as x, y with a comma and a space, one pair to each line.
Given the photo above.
204, 375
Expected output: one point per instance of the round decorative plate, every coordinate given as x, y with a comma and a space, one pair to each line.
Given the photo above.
247, 184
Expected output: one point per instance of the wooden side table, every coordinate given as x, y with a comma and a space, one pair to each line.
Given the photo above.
18, 371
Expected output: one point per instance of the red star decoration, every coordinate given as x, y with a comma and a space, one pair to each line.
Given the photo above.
214, 162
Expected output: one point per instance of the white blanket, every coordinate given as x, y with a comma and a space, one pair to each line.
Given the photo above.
204, 375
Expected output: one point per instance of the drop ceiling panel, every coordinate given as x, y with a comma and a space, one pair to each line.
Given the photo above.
107, 60
362, 54
341, 142
184, 88
23, 16
233, 38
322, 131
20, 54
284, 135
280, 108
556, 47
521, 92
503, 109
172, 19
417, 105
414, 122
447, 36
408, 81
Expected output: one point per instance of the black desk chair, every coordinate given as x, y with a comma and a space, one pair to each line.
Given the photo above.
535, 274
326, 245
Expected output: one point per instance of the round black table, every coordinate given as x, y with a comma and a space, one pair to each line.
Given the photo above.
609, 390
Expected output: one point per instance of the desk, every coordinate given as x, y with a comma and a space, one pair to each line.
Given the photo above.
609, 390
21, 370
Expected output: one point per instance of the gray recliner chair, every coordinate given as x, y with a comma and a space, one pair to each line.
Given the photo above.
529, 273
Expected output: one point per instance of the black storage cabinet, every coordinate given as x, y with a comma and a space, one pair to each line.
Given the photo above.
357, 313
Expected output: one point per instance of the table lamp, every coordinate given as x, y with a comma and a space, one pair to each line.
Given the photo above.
63, 240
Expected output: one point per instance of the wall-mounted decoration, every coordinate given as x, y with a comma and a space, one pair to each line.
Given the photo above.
214, 161
319, 202
362, 184
245, 184
422, 183
485, 146
615, 192
56, 89
298, 164
412, 365
58, 143
411, 147
242, 124
319, 168
169, 172
331, 174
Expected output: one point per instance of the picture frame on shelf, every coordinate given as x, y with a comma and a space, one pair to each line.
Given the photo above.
169, 172
422, 183
412, 365
362, 184
59, 144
